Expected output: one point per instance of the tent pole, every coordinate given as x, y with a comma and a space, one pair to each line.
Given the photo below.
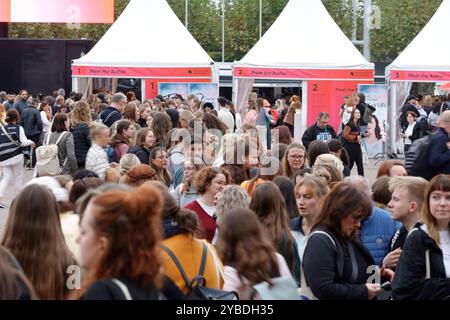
367, 14
143, 90
304, 100
393, 124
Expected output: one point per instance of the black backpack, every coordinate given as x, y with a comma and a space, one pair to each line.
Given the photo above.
416, 159
198, 289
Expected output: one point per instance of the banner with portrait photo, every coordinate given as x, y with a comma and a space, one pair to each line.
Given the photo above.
205, 92
377, 129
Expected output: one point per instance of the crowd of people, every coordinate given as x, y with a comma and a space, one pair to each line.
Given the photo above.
150, 197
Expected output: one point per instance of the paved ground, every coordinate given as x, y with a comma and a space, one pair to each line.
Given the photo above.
370, 172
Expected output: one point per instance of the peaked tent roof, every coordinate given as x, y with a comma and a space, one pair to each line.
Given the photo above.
418, 58
314, 41
136, 39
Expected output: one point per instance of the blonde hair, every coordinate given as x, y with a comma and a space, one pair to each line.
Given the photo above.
415, 187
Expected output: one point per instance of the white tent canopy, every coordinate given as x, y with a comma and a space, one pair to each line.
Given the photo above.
304, 43
425, 59
429, 51
147, 41
305, 36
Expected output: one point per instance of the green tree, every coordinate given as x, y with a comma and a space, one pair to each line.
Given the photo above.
401, 20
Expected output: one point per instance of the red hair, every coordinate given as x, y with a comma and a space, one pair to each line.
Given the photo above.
131, 220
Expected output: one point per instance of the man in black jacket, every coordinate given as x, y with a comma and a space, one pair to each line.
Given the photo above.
439, 152
22, 103
113, 112
319, 131
405, 205
32, 124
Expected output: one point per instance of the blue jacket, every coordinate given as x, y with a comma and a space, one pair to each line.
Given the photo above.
376, 232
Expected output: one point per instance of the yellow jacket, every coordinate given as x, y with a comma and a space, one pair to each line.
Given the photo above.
188, 251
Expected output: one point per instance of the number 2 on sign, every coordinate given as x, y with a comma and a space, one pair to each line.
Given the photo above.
315, 86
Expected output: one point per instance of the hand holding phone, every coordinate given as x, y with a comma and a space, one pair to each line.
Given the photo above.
386, 286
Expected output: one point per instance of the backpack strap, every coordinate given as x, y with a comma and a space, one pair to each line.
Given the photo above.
178, 264
123, 288
60, 137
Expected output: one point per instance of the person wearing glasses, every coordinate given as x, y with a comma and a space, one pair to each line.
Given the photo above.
335, 265
321, 130
294, 159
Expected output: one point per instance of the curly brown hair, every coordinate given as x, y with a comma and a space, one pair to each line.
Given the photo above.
203, 178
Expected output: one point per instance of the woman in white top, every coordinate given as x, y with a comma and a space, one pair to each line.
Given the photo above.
247, 254
412, 132
46, 117
12, 138
96, 158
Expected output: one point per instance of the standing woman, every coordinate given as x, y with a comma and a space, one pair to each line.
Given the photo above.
12, 138
334, 263
294, 160
288, 121
423, 272
411, 132
159, 161
208, 182
66, 148
268, 204
352, 143
120, 245
309, 194
34, 236
252, 113
121, 141
46, 117
247, 253
145, 139
81, 119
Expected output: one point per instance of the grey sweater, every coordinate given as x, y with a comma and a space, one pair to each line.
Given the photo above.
66, 149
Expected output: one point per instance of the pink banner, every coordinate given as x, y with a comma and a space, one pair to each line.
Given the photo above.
131, 72
5, 10
420, 76
328, 96
273, 73
57, 11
